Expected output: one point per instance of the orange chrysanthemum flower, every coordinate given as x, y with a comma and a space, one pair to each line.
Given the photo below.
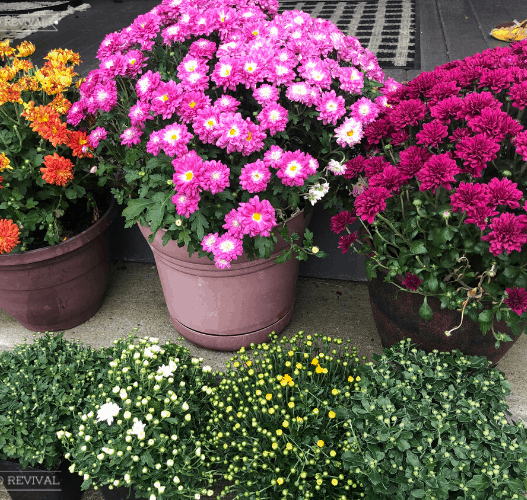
6, 50
28, 83
7, 73
4, 162
57, 170
62, 56
9, 93
78, 142
21, 65
25, 49
60, 104
8, 235
79, 82
54, 131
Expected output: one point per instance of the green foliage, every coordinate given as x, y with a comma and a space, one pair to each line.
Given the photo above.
41, 386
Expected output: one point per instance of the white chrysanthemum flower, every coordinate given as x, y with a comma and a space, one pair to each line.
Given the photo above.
107, 411
138, 428
148, 353
207, 369
185, 406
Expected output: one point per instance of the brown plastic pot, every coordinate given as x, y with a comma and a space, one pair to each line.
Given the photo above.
399, 318
37, 484
226, 309
58, 287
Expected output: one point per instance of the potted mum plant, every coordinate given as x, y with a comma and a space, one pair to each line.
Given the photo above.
142, 430
442, 198
225, 126
43, 383
53, 253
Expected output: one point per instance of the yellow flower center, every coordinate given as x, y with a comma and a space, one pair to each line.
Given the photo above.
189, 176
132, 61
164, 98
232, 131
350, 133
257, 216
192, 104
249, 137
210, 123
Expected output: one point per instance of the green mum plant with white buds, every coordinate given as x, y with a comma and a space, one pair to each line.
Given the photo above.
274, 427
433, 427
41, 385
143, 427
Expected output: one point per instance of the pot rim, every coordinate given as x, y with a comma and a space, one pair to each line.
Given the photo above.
71, 244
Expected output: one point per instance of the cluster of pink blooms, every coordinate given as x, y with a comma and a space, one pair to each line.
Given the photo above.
455, 128
285, 57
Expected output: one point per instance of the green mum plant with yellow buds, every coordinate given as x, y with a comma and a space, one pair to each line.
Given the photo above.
143, 426
433, 427
274, 425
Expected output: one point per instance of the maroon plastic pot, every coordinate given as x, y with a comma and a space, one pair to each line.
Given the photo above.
226, 309
399, 318
58, 287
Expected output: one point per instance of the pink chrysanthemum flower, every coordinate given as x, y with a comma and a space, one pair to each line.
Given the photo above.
474, 102
279, 73
234, 223
105, 95
349, 133
253, 139
190, 103
447, 109
174, 33
209, 242
165, 99
351, 80
497, 79
97, 135
331, 107
412, 281
481, 216
319, 75
507, 234
195, 81
206, 124
215, 176
231, 132
504, 192
364, 110
298, 92
188, 176
371, 202
375, 165
139, 113
186, 204
292, 168
258, 217
346, 241
341, 220
390, 178
228, 247
520, 142
112, 43
226, 73
76, 113
202, 48
266, 94
112, 66
408, 112
131, 136
432, 134
439, 170
255, 177
226, 103
273, 117
154, 143
469, 197
190, 64
135, 62
518, 95
516, 299
272, 156
475, 152
174, 139
252, 70
147, 85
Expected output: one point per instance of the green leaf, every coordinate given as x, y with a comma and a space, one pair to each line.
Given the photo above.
425, 311
418, 493
479, 482
486, 316
402, 444
70, 193
411, 457
418, 247
440, 235
199, 223
135, 208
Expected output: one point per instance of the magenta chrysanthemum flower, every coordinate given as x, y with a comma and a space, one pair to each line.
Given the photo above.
258, 217
330, 107
469, 197
497, 79
209, 241
339, 221
349, 133
475, 152
375, 165
520, 141
364, 110
354, 167
439, 170
174, 139
491, 122
273, 117
228, 247
351, 79
399, 137
412, 281
153, 146
165, 99
97, 135
131, 136
371, 202
190, 103
504, 192
186, 204
390, 178
378, 130
266, 94
215, 176
188, 175
293, 168
346, 241
226, 103
255, 177
473, 103
481, 216
447, 109
518, 95
139, 113
202, 48
516, 299
147, 85
105, 96
76, 113
233, 223
507, 234
442, 90
432, 134
409, 112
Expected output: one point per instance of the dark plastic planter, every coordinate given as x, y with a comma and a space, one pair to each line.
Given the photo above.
36, 484
121, 493
58, 287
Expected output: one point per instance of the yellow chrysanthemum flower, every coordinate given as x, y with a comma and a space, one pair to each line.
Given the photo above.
291, 353
299, 366
320, 443
314, 361
279, 432
350, 379
249, 363
25, 49
285, 423
4, 162
268, 397
7, 73
319, 369
289, 446
6, 49
331, 414
280, 480
334, 392
357, 379
334, 482
291, 404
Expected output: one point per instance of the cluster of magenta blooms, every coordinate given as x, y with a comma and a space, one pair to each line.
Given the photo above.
476, 105
284, 56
